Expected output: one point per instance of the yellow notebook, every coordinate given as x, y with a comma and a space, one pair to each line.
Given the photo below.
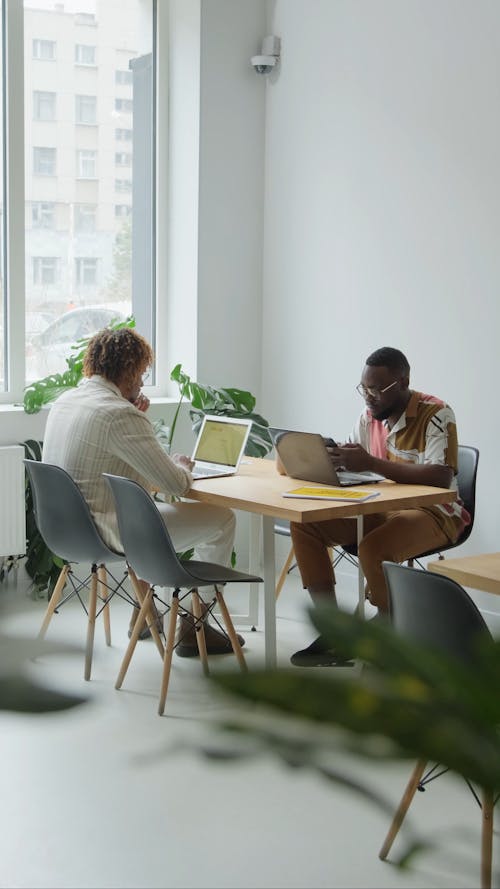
348, 495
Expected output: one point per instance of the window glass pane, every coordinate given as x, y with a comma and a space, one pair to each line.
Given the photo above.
3, 330
84, 55
89, 185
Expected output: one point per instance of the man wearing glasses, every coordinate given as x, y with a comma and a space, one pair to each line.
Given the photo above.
410, 438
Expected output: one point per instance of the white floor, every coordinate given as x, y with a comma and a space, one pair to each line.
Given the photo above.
111, 795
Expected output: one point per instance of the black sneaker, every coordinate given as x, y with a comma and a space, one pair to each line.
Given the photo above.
320, 654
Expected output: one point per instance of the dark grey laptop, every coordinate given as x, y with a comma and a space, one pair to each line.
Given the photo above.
304, 455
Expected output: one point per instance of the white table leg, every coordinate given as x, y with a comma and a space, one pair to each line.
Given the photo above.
361, 577
269, 591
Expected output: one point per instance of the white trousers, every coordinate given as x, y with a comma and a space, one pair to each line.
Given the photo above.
209, 529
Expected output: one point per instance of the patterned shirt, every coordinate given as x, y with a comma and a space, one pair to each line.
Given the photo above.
426, 432
93, 429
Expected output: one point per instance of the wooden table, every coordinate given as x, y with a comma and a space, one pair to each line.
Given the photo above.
478, 572
258, 489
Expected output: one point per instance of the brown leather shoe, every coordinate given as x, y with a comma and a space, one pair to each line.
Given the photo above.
145, 632
217, 642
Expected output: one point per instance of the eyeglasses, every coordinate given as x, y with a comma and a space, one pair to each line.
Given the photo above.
373, 391
145, 377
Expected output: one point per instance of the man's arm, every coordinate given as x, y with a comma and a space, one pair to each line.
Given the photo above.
356, 459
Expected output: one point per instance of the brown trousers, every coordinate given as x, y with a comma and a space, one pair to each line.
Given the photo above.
393, 537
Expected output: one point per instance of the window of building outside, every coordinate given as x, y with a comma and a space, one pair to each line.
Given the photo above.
42, 214
84, 54
85, 271
86, 164
83, 250
123, 77
44, 105
44, 50
85, 217
123, 209
44, 161
123, 159
44, 270
124, 105
86, 109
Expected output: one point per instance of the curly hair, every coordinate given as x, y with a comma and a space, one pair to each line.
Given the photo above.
117, 355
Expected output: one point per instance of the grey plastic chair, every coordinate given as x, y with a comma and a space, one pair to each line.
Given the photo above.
435, 611
150, 552
66, 525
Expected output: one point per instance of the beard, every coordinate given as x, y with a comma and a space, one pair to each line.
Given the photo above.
382, 413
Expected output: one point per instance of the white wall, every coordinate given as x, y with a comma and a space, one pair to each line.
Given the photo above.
381, 213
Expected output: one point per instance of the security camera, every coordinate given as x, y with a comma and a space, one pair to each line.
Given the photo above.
270, 55
263, 64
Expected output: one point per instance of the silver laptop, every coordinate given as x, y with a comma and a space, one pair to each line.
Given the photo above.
220, 446
304, 456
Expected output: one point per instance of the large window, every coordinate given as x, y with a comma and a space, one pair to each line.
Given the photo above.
83, 130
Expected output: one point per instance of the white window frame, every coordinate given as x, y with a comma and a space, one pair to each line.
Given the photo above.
121, 137
15, 211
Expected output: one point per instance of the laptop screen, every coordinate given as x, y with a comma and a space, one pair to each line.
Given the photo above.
221, 441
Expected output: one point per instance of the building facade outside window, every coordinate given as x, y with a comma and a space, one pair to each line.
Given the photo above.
85, 247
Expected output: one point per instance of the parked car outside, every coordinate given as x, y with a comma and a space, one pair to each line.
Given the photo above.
49, 349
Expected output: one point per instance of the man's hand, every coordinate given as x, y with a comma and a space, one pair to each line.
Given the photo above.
352, 457
141, 403
183, 461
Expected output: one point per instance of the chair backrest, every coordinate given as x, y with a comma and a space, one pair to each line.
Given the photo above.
468, 459
63, 517
148, 546
434, 610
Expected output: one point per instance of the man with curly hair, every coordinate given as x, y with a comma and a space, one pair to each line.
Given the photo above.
101, 426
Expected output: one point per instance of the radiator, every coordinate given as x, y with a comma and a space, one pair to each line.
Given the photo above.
12, 501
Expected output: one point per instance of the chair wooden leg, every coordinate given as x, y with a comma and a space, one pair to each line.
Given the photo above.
486, 839
54, 600
91, 623
231, 632
101, 574
284, 572
200, 631
147, 599
403, 807
141, 588
169, 650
